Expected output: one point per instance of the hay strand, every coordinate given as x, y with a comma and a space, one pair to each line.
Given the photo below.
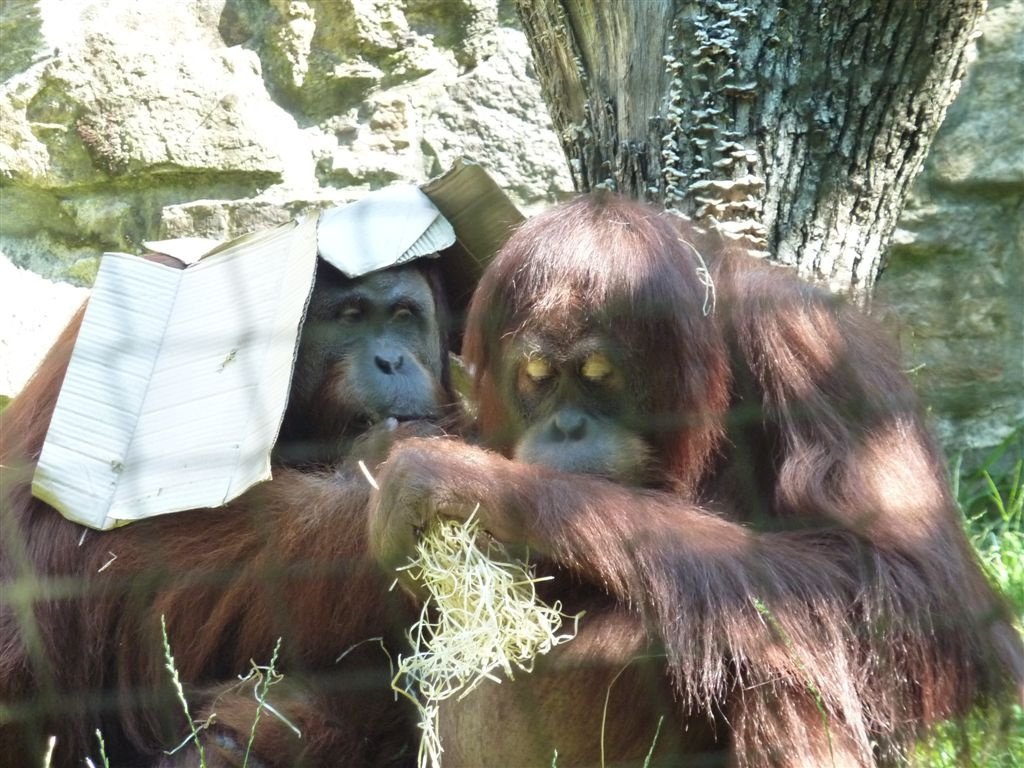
483, 617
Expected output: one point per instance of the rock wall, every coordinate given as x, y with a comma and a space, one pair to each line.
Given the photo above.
130, 120
123, 120
954, 286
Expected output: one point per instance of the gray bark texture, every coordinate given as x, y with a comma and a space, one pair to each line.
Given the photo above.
795, 127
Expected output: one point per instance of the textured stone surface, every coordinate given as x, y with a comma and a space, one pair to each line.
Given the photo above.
123, 121
954, 287
491, 114
116, 113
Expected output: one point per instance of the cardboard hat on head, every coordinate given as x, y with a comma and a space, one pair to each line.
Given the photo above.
461, 218
385, 229
483, 218
173, 397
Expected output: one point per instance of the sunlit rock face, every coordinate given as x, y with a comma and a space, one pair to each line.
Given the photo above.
122, 122
954, 286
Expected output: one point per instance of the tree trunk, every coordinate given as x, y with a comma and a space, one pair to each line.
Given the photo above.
796, 127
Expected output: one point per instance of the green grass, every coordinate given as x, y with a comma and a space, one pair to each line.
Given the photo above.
262, 679
176, 681
992, 502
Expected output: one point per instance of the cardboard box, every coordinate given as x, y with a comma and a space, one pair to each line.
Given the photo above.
179, 377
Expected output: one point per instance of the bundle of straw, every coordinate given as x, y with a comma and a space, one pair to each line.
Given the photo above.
483, 615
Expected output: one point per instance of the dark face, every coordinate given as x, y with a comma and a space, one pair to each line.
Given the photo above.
370, 349
576, 413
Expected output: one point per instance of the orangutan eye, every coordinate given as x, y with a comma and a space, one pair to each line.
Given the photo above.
596, 367
350, 313
538, 369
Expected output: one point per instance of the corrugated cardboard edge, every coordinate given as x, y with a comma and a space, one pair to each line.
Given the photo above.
47, 479
387, 227
483, 218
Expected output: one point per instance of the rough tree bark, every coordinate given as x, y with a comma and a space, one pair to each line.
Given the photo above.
794, 126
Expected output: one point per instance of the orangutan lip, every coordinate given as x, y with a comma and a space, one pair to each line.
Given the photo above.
367, 422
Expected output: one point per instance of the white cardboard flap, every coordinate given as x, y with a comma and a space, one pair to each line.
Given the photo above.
179, 378
387, 227
187, 250
176, 387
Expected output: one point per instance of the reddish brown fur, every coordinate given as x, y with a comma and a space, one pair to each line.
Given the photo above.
800, 562
80, 643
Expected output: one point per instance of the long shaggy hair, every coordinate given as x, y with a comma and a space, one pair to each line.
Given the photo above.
827, 603
80, 619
